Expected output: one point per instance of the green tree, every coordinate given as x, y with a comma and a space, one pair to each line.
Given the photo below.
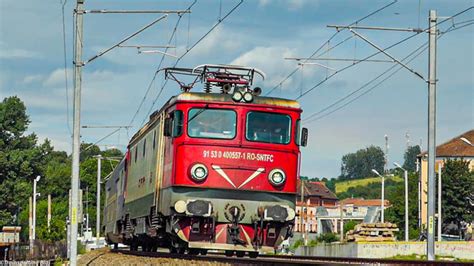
361, 163
410, 158
20, 159
396, 212
330, 184
458, 183
349, 225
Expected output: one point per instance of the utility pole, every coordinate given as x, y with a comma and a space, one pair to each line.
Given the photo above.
341, 224
97, 230
386, 153
76, 143
440, 190
49, 212
30, 222
301, 212
433, 34
407, 136
430, 244
87, 210
34, 205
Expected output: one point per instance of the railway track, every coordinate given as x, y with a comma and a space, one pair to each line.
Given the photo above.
284, 259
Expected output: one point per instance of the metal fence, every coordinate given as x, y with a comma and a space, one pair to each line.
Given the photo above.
42, 250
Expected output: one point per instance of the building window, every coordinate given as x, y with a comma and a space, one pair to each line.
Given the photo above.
144, 148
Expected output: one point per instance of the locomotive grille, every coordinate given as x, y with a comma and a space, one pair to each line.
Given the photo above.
277, 213
199, 207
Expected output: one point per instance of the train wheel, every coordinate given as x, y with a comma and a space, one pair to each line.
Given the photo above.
193, 251
253, 254
115, 245
204, 252
173, 250
240, 254
229, 253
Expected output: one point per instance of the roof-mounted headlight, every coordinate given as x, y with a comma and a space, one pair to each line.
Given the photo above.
199, 172
277, 177
248, 97
237, 96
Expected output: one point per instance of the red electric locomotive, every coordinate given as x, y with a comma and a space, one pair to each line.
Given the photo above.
210, 170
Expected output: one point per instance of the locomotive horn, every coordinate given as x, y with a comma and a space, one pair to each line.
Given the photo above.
226, 88
257, 91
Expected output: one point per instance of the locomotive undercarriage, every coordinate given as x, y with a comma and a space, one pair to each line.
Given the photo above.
217, 220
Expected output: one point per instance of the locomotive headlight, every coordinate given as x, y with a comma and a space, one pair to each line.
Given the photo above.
199, 172
277, 177
237, 96
180, 206
248, 97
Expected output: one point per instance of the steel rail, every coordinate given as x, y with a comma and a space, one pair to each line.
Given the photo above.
286, 259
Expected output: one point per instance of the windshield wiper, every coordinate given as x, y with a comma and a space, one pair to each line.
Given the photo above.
198, 113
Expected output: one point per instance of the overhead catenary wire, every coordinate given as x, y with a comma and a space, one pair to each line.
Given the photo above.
187, 51
376, 53
150, 85
66, 87
103, 138
325, 43
314, 117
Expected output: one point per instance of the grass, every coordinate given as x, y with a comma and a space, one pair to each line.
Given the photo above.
343, 186
423, 258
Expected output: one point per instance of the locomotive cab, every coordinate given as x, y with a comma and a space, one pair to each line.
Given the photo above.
212, 170
234, 167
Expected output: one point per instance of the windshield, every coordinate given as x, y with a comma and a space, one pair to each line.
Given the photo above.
211, 123
268, 127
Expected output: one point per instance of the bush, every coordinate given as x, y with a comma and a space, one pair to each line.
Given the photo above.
327, 238
349, 226
81, 249
297, 243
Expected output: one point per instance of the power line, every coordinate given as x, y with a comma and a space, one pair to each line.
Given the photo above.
159, 65
65, 66
314, 117
187, 51
385, 49
330, 38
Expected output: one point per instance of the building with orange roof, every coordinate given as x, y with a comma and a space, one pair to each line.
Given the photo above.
456, 148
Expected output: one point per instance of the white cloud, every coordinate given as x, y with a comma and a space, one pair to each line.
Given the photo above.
32, 79
271, 61
291, 4
56, 77
221, 40
17, 53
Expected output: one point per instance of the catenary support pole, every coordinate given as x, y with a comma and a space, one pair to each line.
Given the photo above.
49, 212
30, 223
382, 203
97, 228
430, 243
440, 191
79, 38
406, 204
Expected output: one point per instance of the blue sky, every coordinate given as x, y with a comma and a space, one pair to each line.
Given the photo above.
259, 34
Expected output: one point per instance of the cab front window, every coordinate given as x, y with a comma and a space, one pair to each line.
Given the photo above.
268, 127
212, 123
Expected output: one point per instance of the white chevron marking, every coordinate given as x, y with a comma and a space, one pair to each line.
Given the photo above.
223, 174
255, 174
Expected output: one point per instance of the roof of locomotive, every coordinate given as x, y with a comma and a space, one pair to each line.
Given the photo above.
214, 97
227, 98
